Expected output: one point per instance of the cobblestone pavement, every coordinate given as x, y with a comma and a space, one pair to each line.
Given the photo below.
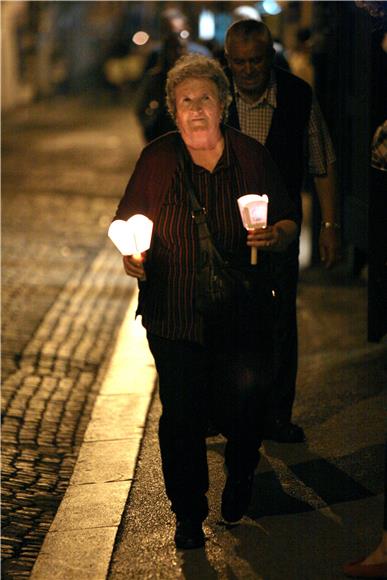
64, 165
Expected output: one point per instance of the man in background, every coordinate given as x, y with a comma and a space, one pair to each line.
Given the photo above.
280, 110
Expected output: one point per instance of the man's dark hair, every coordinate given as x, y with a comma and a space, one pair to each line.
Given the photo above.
247, 28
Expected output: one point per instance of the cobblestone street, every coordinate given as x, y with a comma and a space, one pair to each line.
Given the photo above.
65, 164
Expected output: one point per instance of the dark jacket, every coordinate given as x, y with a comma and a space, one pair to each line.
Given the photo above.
286, 140
157, 164
165, 300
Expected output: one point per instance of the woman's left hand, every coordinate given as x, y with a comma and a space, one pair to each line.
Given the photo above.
270, 239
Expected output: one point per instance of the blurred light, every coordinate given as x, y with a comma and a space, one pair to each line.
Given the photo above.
184, 34
206, 25
246, 12
65, 251
140, 38
271, 7
104, 221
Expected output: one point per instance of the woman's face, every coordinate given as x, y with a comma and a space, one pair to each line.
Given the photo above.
198, 109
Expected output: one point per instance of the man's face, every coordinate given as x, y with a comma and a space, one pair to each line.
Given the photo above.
250, 63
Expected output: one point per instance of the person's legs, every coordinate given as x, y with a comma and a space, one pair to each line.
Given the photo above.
182, 371
278, 424
375, 564
285, 384
239, 384
241, 401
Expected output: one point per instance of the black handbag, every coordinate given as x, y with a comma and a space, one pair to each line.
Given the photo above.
219, 286
241, 300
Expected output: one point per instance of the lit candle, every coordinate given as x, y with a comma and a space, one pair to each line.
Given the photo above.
253, 210
132, 237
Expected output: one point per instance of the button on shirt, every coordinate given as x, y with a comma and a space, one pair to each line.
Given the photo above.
255, 120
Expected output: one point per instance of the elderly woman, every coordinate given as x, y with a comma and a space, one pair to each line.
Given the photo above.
206, 364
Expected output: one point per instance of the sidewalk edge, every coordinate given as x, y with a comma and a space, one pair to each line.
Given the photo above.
80, 541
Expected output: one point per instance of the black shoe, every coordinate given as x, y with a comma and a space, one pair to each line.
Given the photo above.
284, 432
236, 498
189, 534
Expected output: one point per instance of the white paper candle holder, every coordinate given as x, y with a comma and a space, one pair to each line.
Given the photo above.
253, 210
133, 236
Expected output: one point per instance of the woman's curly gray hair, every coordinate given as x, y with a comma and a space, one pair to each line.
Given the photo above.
202, 67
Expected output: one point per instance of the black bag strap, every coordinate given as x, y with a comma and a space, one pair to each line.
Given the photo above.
208, 249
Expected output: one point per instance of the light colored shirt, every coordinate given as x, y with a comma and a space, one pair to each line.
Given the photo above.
255, 120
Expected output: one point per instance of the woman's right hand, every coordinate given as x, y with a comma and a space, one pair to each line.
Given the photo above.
134, 267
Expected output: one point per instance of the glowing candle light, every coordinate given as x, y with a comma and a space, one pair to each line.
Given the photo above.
253, 210
140, 37
132, 237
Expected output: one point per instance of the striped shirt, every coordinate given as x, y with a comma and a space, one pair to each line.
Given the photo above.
255, 120
175, 250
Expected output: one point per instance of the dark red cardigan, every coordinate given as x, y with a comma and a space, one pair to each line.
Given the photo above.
156, 167
145, 193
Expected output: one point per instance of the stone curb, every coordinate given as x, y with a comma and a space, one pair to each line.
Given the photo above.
81, 538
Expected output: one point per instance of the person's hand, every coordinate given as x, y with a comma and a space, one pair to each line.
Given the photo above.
269, 239
134, 266
330, 246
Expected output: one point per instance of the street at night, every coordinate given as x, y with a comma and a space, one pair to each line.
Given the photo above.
83, 488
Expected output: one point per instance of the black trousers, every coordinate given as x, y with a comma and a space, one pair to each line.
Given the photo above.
283, 390
225, 379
